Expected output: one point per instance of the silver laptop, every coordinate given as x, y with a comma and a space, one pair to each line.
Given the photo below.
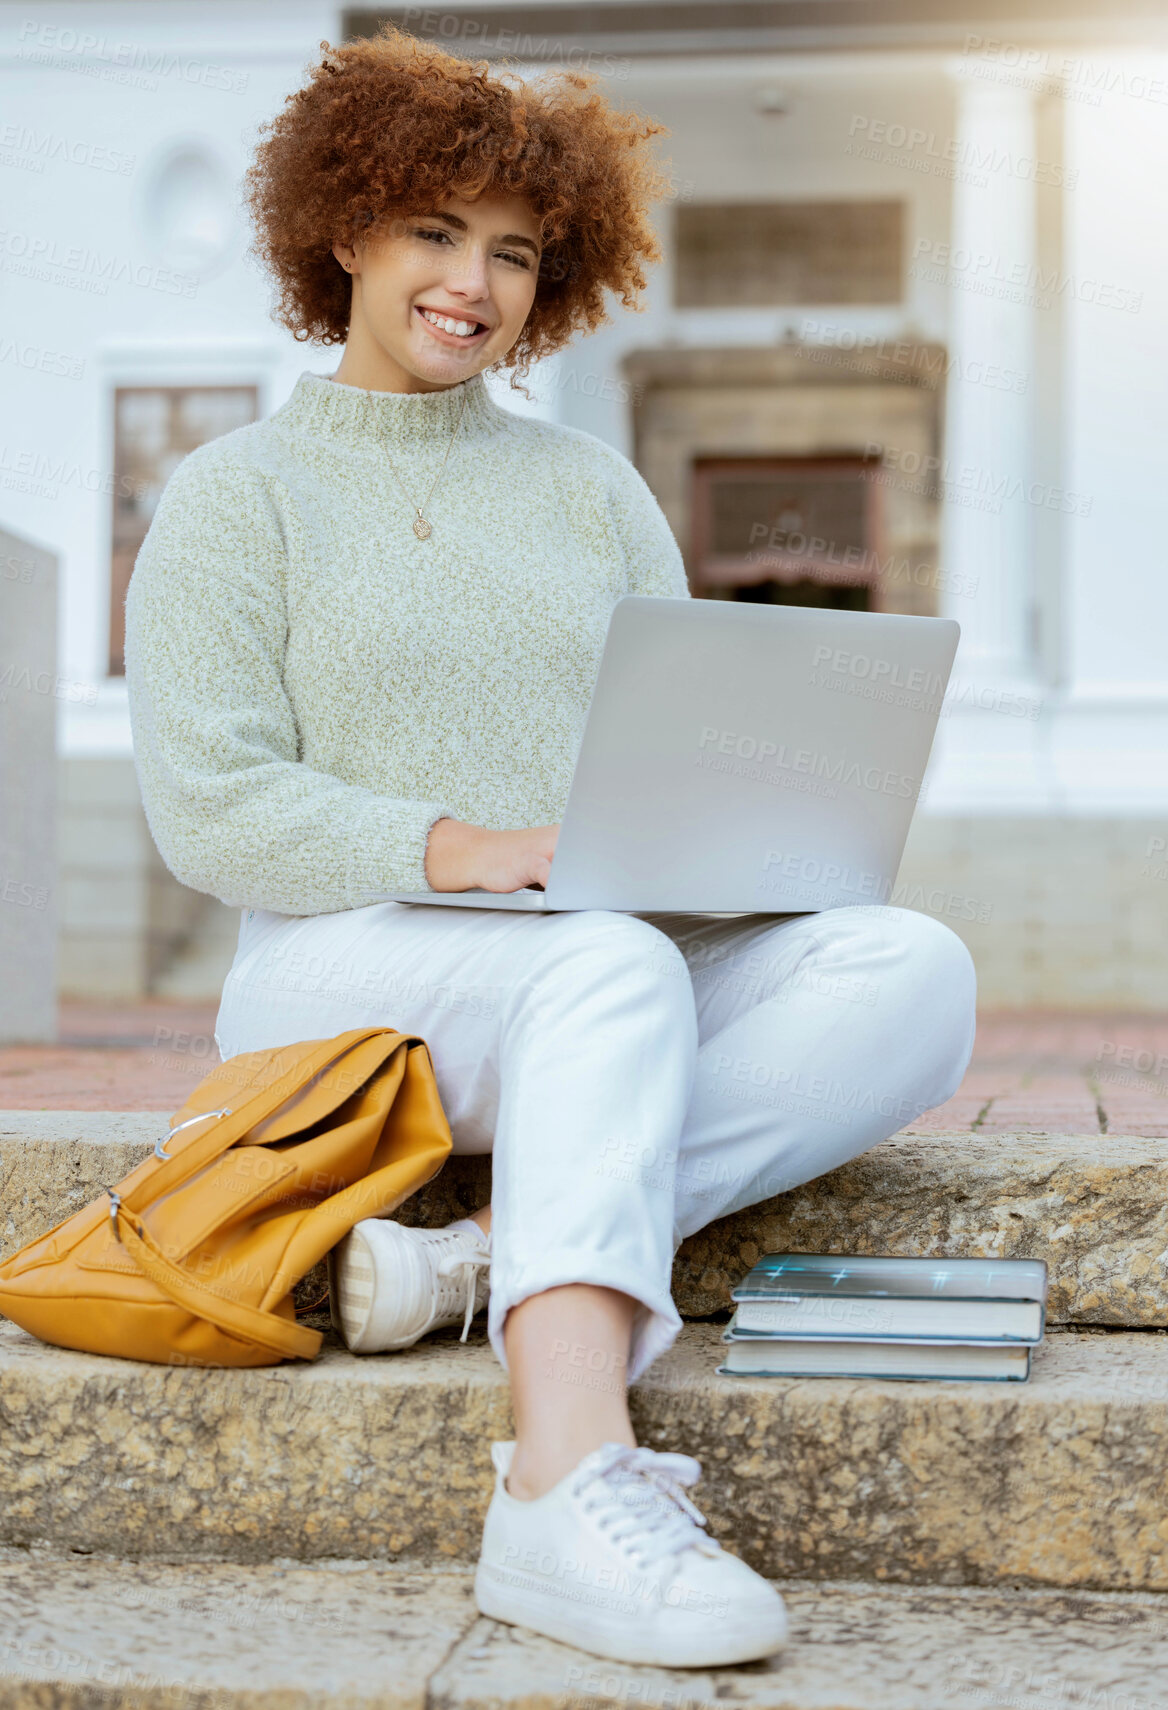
743, 758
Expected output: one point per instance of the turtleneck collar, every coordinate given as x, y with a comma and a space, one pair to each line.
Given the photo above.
340, 412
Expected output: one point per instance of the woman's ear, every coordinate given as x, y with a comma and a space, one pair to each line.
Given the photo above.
346, 255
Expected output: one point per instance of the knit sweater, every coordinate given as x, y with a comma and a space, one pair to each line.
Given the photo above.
311, 686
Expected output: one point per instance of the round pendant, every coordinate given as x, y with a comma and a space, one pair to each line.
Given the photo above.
422, 528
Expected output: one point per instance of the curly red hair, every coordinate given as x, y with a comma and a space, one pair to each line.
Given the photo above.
388, 126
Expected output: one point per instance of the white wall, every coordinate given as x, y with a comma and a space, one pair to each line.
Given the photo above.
97, 286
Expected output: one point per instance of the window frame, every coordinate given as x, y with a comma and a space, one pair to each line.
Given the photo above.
119, 543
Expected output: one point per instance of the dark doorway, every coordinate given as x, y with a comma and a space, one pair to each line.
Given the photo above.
787, 531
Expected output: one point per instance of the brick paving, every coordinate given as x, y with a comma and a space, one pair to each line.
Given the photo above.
1063, 1073
113, 1056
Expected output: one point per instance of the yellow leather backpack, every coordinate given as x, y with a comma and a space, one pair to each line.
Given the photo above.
192, 1258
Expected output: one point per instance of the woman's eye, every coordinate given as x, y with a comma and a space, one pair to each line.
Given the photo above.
438, 236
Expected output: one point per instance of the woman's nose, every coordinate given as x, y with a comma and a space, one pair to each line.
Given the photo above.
469, 274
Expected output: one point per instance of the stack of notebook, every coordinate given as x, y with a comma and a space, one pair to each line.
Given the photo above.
824, 1315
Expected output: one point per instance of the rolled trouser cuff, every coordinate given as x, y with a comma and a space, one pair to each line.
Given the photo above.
655, 1327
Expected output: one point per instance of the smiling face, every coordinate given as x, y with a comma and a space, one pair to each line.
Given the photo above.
440, 296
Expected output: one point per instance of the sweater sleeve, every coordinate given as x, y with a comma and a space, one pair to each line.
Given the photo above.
652, 556
232, 807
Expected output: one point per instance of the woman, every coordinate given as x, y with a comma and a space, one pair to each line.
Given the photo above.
362, 638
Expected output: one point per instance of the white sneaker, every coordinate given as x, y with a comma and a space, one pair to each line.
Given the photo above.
389, 1285
613, 1559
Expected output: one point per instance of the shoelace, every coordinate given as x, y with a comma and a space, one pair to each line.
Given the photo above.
643, 1491
470, 1264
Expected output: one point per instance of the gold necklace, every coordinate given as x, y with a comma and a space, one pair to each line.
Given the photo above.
422, 528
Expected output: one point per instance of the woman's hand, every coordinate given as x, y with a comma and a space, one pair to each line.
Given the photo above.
461, 857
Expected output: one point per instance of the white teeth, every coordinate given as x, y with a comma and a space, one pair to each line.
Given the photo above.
460, 328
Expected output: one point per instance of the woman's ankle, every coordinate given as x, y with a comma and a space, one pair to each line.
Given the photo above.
536, 1470
567, 1352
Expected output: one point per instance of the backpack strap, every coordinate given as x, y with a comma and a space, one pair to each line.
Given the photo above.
198, 1150
246, 1323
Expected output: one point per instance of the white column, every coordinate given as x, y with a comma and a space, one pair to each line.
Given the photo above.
986, 531
28, 791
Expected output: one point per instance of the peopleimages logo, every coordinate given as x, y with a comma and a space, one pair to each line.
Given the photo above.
893, 684
840, 885
897, 676
958, 151
985, 269
967, 483
776, 759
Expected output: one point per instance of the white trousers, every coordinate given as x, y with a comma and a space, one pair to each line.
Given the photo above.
635, 1076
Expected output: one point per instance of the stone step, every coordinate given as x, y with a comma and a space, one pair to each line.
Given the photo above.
1094, 1207
364, 1636
1060, 1482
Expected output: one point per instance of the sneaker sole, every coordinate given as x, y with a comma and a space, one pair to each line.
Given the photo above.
737, 1644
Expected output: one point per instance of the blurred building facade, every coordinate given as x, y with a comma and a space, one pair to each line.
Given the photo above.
905, 351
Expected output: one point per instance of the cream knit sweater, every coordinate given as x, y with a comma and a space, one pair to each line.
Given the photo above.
311, 686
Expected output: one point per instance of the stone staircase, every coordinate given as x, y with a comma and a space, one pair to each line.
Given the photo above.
304, 1535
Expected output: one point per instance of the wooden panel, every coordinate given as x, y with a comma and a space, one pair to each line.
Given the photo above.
767, 254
